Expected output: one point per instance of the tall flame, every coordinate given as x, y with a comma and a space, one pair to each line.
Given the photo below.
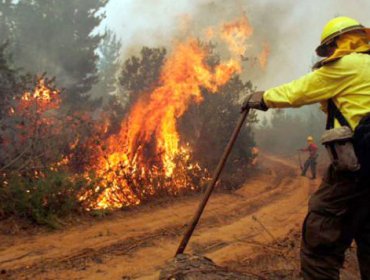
235, 35
184, 74
148, 144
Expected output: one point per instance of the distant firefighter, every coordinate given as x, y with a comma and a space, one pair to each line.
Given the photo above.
254, 156
312, 158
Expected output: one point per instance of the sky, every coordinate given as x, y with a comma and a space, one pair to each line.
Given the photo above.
292, 28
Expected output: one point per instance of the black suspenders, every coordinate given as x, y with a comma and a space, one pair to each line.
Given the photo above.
334, 113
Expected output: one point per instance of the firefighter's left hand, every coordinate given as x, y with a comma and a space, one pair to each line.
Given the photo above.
254, 101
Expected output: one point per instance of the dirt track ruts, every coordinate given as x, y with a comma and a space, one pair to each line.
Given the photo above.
136, 244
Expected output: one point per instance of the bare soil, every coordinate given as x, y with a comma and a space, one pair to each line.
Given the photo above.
253, 230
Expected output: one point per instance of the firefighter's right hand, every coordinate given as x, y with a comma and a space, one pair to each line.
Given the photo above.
254, 101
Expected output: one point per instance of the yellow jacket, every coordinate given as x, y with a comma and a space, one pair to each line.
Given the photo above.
346, 81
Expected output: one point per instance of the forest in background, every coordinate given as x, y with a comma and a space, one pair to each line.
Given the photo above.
286, 131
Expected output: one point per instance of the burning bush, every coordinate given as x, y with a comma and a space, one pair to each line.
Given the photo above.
43, 150
142, 159
54, 161
38, 135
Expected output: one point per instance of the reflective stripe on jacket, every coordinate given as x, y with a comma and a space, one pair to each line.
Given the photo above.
346, 81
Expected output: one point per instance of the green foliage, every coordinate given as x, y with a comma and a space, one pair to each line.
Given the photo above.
43, 200
208, 127
8, 81
6, 23
57, 37
141, 73
12, 83
108, 65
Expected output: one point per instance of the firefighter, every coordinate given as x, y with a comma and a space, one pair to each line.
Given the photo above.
254, 156
311, 160
339, 211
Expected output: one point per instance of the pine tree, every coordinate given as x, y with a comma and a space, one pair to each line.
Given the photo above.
108, 65
6, 23
141, 73
7, 81
58, 37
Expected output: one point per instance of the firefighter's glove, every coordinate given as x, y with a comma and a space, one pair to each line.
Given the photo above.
254, 101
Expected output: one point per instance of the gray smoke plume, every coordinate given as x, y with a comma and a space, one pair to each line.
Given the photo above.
291, 28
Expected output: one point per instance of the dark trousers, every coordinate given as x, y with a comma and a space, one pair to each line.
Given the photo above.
310, 162
338, 213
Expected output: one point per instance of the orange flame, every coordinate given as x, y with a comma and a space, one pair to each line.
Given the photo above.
183, 76
235, 35
146, 156
43, 98
148, 144
31, 122
264, 55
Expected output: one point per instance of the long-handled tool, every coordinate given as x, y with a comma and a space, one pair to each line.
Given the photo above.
220, 166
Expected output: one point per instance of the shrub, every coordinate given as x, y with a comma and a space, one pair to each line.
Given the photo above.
43, 200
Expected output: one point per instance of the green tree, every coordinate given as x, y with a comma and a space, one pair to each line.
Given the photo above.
58, 37
209, 125
12, 82
6, 22
140, 74
8, 81
108, 65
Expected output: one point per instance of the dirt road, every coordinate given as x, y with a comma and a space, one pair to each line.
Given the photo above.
135, 244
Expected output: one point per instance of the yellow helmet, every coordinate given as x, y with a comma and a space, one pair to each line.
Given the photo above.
336, 27
310, 139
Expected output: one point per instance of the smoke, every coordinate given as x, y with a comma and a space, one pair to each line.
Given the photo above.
291, 28
146, 23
